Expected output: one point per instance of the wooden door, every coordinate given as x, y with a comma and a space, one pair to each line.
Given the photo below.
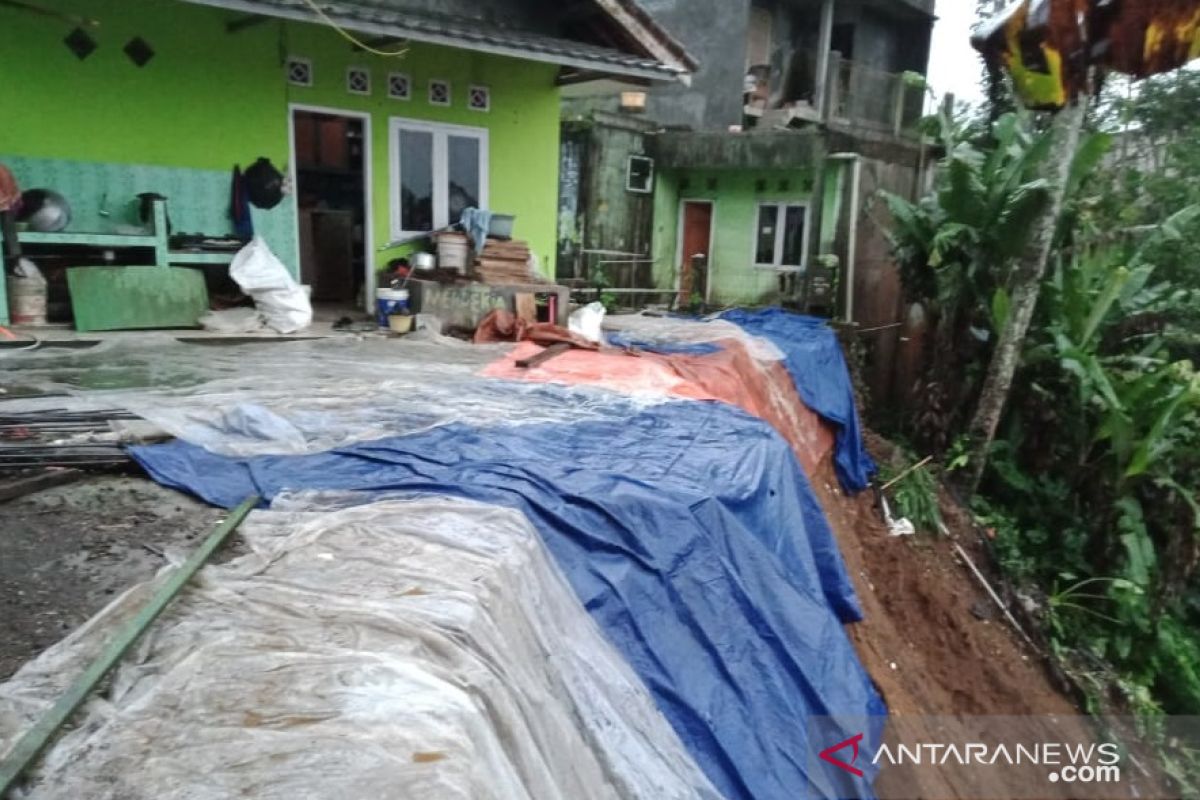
697, 236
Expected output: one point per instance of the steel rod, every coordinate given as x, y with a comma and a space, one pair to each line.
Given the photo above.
37, 737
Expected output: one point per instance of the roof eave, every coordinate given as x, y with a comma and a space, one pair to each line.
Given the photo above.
664, 73
658, 42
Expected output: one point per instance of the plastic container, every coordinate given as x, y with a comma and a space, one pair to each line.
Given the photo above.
389, 302
501, 226
453, 251
26, 301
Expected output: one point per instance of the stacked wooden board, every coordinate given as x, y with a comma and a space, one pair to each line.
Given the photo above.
504, 261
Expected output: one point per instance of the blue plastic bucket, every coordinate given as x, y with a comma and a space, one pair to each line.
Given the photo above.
389, 302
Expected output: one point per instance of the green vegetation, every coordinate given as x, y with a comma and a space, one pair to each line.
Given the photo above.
915, 492
1093, 480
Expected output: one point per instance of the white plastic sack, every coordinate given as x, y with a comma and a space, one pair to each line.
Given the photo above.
283, 303
233, 320
27, 270
587, 321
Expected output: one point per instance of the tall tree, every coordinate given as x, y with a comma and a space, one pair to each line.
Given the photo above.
1066, 128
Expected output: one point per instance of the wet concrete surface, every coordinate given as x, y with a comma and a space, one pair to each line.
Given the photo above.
66, 552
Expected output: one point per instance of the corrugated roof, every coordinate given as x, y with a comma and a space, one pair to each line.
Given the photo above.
391, 19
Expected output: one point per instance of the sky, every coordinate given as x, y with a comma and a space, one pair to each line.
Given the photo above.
953, 63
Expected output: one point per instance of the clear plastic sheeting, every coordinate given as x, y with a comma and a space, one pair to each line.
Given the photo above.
299, 396
405, 648
669, 332
689, 533
428, 648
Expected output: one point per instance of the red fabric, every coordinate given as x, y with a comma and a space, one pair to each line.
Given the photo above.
504, 326
10, 193
731, 375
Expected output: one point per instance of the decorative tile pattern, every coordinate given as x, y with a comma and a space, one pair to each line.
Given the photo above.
439, 93
139, 51
358, 80
479, 98
299, 71
80, 43
399, 86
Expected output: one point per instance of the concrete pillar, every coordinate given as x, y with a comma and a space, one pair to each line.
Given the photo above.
824, 41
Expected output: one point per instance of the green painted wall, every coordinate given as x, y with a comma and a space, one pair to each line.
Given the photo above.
736, 196
523, 125
209, 99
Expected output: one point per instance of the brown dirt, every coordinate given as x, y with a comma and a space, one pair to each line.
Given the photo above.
66, 552
922, 639
935, 643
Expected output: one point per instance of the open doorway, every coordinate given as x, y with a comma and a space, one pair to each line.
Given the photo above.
331, 158
694, 250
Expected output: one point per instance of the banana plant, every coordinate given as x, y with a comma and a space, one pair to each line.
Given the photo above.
958, 245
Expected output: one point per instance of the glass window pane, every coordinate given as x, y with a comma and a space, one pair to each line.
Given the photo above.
416, 180
793, 236
462, 171
764, 248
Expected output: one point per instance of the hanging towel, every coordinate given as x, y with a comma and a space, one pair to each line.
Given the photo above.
476, 221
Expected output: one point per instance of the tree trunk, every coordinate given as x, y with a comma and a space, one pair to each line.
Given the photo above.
1026, 285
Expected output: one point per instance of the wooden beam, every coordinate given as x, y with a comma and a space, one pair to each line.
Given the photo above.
11, 490
241, 23
554, 350
568, 76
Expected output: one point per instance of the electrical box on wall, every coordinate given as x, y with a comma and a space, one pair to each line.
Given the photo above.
639, 175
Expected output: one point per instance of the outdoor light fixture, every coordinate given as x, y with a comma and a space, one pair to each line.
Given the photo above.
633, 102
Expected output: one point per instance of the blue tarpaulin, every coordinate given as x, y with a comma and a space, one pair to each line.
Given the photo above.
690, 534
815, 361
618, 339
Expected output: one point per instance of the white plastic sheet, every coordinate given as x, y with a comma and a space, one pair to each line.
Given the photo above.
685, 330
409, 648
233, 320
299, 396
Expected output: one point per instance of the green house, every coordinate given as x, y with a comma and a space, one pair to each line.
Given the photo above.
387, 116
757, 181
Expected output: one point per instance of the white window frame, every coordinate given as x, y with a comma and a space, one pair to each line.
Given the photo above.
777, 256
629, 187
440, 133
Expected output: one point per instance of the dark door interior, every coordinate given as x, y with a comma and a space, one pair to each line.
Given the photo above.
331, 196
697, 233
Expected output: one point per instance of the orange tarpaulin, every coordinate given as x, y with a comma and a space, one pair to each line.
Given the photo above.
731, 375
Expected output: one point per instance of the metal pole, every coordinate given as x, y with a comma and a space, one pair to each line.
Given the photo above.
852, 233
37, 737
